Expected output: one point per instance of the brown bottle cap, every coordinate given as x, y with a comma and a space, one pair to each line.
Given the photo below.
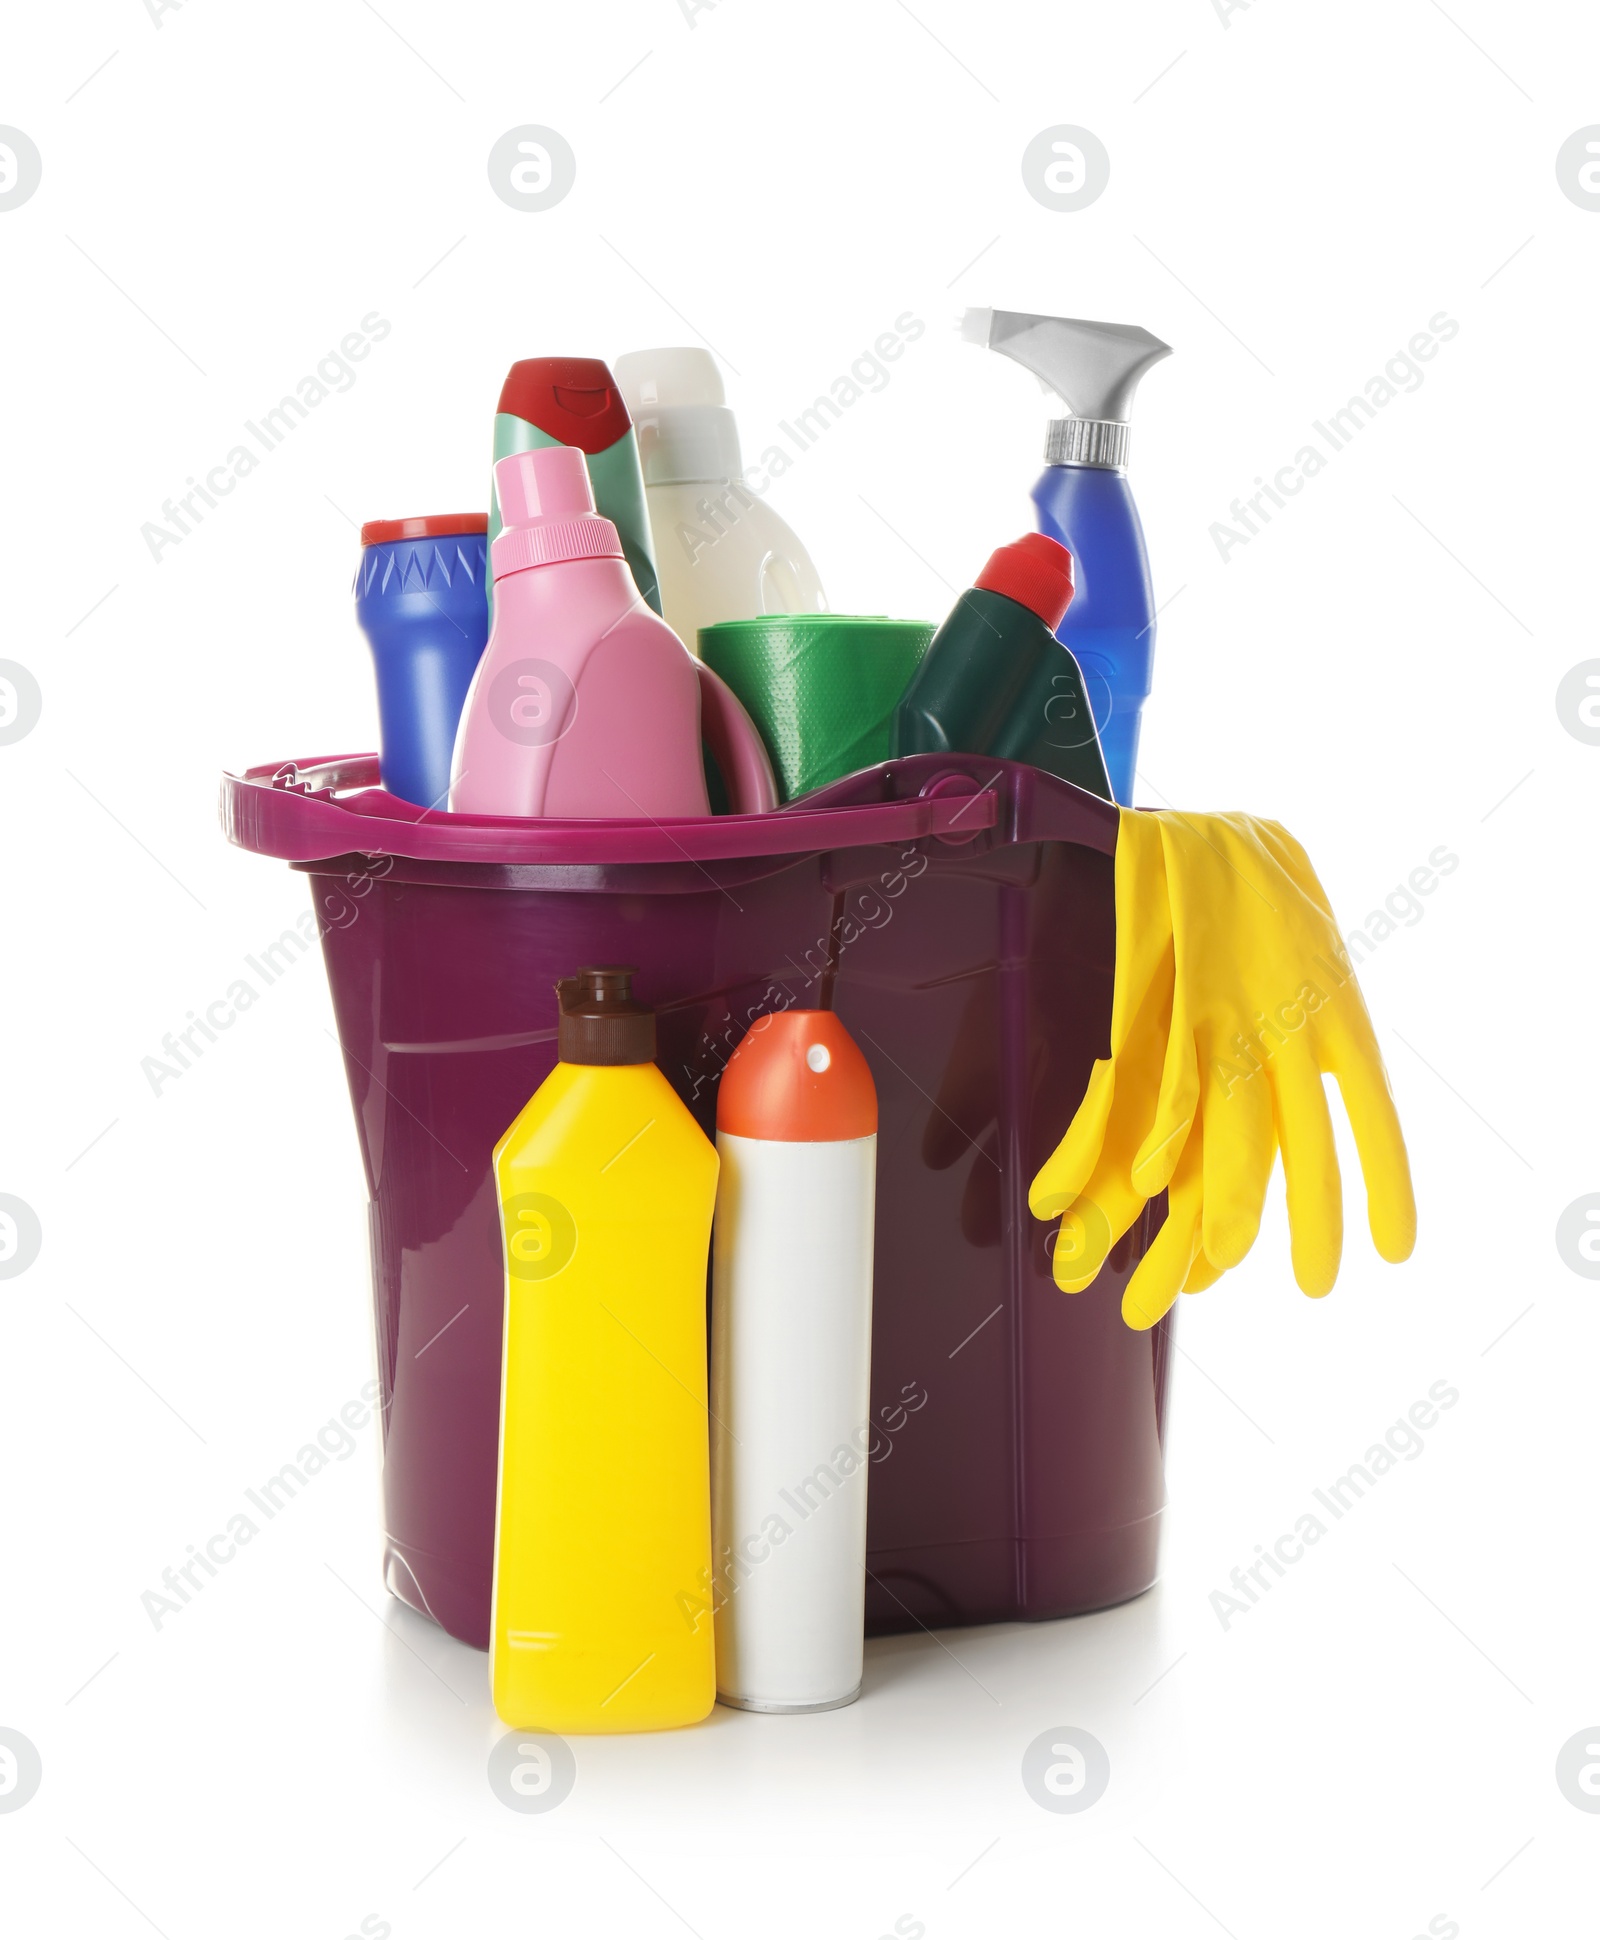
602, 1022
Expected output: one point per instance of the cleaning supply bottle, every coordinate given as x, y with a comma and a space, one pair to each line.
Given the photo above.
585, 703
997, 678
603, 1523
572, 401
723, 554
797, 1125
1083, 500
420, 601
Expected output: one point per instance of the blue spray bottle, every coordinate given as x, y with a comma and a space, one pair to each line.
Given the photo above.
1083, 501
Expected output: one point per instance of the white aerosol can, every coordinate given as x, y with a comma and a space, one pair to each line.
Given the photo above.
791, 1362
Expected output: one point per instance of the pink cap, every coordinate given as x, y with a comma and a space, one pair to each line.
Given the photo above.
548, 509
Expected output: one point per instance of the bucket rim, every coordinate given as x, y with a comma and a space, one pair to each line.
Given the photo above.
310, 810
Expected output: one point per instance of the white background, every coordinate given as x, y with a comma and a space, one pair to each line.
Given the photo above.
1371, 1747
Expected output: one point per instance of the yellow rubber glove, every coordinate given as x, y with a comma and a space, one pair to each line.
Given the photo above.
1088, 1178
1233, 995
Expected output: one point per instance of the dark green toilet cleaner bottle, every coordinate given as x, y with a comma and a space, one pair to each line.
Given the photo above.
996, 680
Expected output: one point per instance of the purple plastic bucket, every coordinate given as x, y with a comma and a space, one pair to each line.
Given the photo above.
958, 914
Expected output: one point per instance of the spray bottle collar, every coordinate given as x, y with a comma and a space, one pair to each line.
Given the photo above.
1098, 442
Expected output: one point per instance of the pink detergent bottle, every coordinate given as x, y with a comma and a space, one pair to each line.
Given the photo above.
585, 703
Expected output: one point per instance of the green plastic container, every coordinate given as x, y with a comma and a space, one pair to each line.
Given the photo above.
821, 687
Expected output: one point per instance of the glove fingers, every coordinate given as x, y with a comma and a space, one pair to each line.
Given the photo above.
1092, 1225
1310, 1171
1063, 1175
1176, 1105
1171, 1256
1350, 1046
1369, 1104
1141, 1004
1201, 1275
1385, 1167
1110, 1202
1240, 1144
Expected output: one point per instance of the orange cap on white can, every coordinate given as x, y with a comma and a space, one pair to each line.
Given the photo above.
797, 1075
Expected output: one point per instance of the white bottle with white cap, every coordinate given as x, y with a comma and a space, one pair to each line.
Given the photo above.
722, 553
791, 1363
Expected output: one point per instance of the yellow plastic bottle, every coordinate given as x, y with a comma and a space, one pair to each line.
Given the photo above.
603, 1525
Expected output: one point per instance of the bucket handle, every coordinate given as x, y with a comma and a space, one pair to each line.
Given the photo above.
312, 810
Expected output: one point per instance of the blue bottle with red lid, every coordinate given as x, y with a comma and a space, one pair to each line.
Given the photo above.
420, 599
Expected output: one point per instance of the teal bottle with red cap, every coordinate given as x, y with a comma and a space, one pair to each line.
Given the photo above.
995, 679
575, 401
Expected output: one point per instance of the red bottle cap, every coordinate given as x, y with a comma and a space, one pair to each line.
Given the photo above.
1036, 572
437, 525
571, 399
799, 1076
